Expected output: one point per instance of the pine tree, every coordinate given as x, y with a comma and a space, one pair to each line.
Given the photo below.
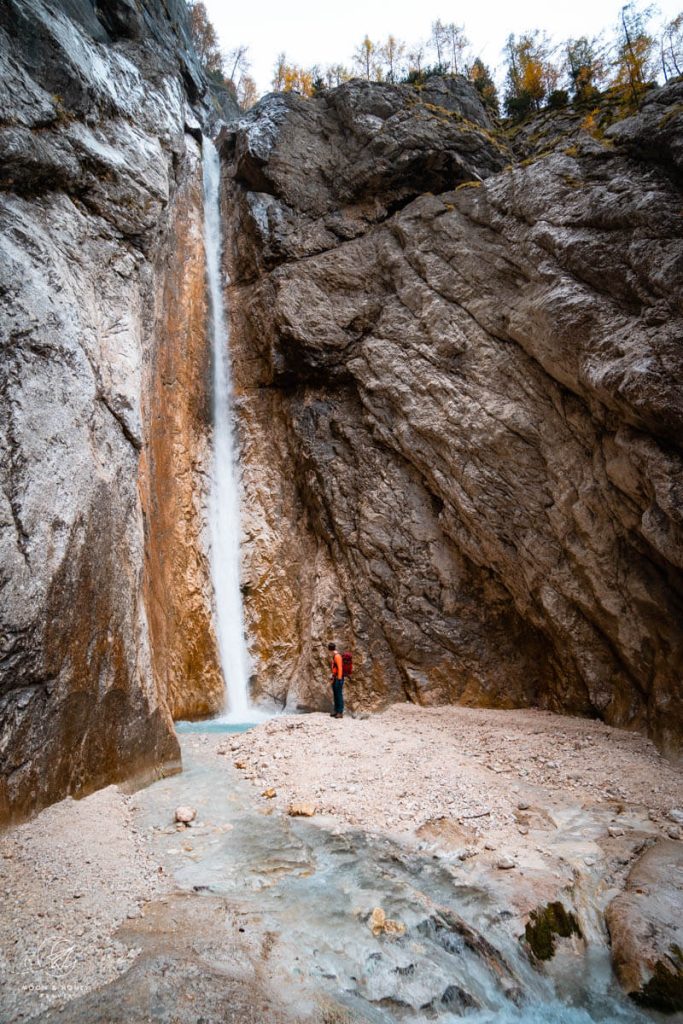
585, 67
482, 80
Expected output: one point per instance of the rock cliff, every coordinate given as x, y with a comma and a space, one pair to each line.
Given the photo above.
105, 607
459, 369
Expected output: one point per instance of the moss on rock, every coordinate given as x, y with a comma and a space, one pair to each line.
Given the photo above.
544, 924
664, 990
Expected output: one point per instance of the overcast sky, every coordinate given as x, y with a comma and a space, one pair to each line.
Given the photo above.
315, 32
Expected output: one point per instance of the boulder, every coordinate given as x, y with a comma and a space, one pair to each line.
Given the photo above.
645, 925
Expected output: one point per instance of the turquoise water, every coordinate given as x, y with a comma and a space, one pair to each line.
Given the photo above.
212, 726
312, 888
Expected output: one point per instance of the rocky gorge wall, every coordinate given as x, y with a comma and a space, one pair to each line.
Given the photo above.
458, 362
105, 600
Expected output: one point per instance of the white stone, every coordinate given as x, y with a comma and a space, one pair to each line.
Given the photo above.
184, 815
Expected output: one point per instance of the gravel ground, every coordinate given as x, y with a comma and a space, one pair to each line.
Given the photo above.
411, 766
69, 878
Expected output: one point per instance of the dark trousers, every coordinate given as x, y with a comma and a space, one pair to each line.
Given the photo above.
338, 693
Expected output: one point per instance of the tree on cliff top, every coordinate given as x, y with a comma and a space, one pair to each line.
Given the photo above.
671, 48
365, 59
438, 41
416, 59
390, 58
247, 92
456, 45
634, 63
335, 74
292, 78
448, 43
586, 67
531, 74
205, 38
480, 77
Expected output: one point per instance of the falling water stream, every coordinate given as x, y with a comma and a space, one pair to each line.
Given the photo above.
224, 507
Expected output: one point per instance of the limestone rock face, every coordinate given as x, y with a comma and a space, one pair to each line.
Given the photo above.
99, 449
460, 407
176, 463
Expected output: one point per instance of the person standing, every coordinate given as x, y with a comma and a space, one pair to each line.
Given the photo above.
337, 668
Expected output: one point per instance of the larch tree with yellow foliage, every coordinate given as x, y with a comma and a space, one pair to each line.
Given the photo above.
291, 77
365, 59
391, 57
586, 67
531, 73
634, 63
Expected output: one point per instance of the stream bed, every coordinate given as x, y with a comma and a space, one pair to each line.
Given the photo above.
305, 890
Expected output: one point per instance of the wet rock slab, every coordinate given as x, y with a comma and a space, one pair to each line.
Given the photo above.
167, 990
646, 929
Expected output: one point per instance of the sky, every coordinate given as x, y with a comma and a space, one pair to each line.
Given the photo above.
315, 32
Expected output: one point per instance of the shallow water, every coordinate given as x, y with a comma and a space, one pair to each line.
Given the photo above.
212, 726
312, 887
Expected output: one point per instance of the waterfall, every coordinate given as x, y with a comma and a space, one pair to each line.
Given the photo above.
224, 509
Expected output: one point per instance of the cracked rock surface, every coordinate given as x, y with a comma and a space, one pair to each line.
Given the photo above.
460, 410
